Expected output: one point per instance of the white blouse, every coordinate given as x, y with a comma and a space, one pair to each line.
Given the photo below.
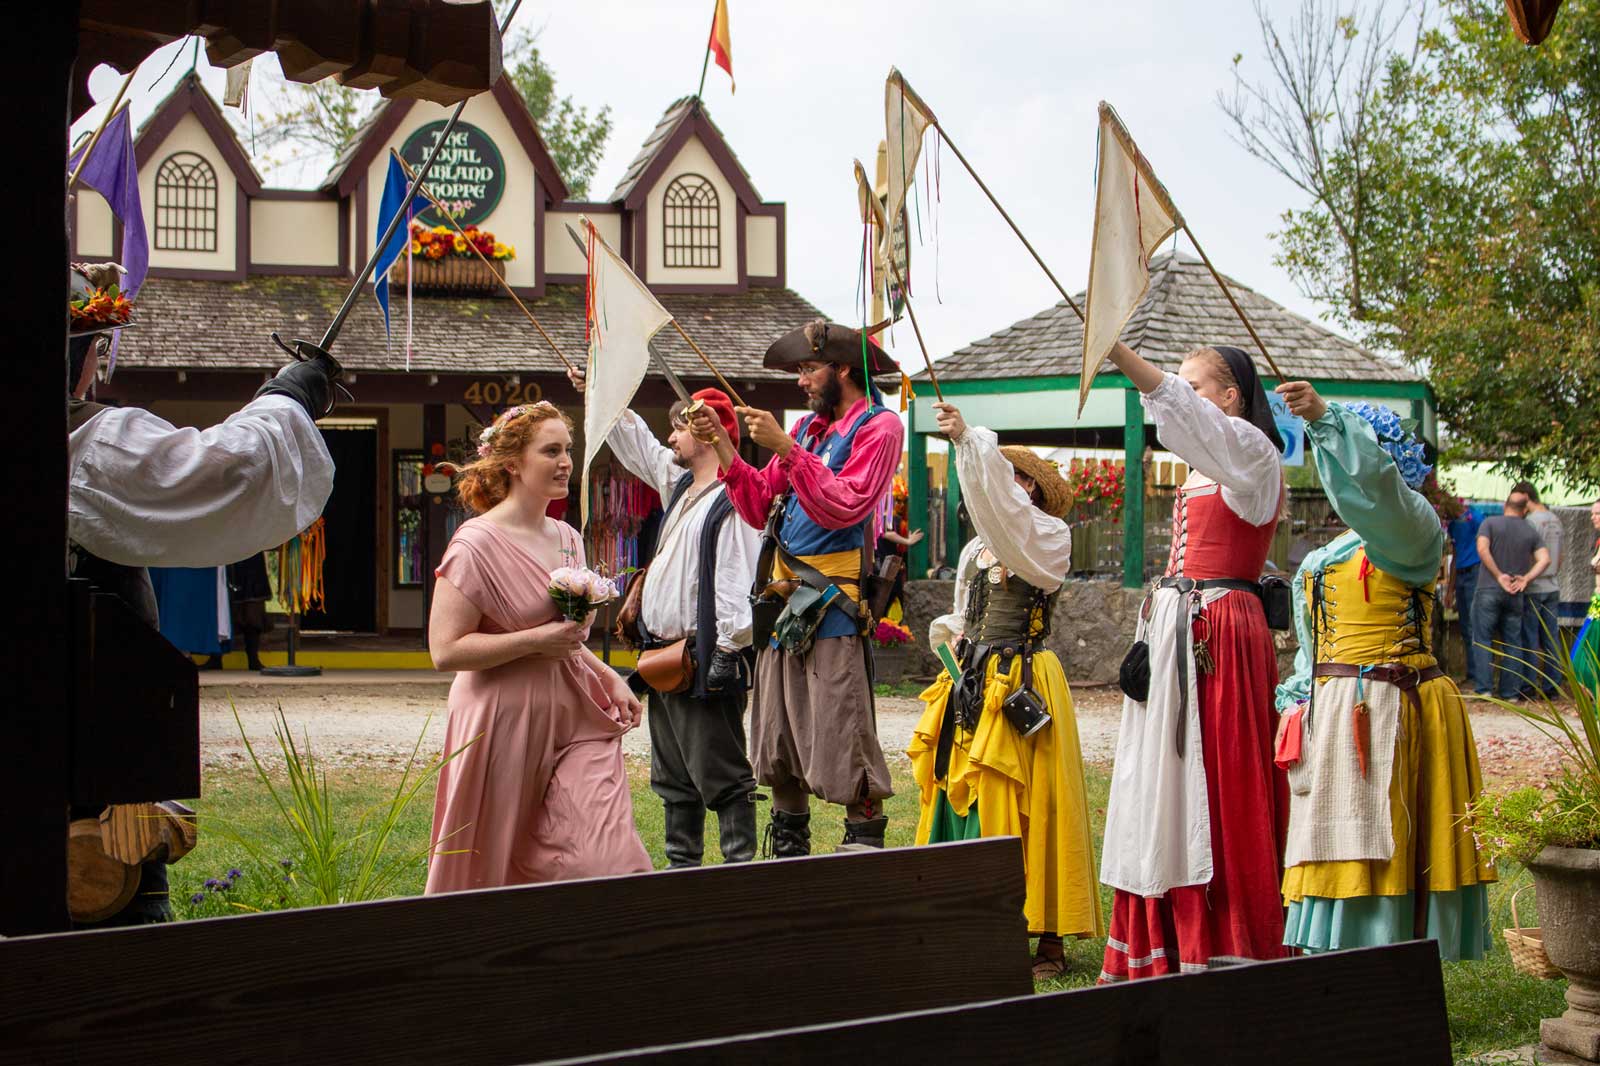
142, 492
1035, 546
1219, 447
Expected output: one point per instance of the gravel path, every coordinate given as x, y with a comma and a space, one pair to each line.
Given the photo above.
377, 725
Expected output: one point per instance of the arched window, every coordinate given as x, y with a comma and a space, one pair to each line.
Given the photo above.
186, 204
693, 223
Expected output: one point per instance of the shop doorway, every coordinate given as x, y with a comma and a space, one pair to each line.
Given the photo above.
349, 574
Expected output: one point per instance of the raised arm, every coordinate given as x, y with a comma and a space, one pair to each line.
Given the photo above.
145, 493
645, 457
1398, 525
1035, 546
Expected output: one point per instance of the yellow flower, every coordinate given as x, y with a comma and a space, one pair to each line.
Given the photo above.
441, 230
416, 248
501, 251
460, 243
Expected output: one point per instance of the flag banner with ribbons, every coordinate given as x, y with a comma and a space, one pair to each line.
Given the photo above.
721, 43
1132, 216
112, 171
621, 315
906, 119
394, 194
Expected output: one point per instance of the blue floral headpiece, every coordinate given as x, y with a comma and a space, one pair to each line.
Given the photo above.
1398, 438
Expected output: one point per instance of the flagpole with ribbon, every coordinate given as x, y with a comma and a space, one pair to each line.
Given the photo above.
870, 205
705, 64
479, 253
1226, 291
334, 327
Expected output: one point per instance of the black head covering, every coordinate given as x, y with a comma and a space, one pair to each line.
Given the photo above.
1256, 409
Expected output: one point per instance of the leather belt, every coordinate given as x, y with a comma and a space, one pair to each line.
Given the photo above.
1405, 678
1189, 586
1193, 584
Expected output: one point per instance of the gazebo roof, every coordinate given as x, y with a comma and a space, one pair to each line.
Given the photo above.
1183, 310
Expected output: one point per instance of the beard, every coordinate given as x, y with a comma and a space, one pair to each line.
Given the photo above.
826, 401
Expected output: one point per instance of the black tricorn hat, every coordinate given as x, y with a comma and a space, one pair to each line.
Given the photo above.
828, 342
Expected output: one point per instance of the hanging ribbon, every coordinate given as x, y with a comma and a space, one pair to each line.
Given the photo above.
409, 242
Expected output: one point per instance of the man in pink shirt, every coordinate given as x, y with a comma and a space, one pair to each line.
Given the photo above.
813, 731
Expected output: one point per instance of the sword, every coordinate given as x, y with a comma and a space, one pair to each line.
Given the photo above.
671, 376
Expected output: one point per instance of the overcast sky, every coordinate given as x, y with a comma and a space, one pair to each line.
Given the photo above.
1015, 83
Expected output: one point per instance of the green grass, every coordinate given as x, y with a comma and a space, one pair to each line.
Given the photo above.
906, 689
1491, 1006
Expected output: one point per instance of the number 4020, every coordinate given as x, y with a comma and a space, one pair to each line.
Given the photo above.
494, 393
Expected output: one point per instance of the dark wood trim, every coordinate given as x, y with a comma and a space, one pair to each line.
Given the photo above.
344, 235
318, 195
739, 215
685, 289
638, 254
191, 97
195, 274
693, 123
780, 211
516, 112
587, 207
538, 237
241, 235
564, 279
328, 270
357, 256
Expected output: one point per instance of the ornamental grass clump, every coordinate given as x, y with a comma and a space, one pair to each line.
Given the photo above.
1519, 823
340, 856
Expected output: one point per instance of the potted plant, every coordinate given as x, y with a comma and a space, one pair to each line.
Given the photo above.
891, 643
1556, 833
446, 260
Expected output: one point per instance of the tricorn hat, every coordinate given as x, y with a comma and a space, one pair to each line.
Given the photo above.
828, 342
1045, 474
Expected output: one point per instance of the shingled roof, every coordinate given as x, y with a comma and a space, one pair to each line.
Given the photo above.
212, 325
653, 153
1183, 310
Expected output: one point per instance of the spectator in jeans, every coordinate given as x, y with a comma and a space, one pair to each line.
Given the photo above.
1511, 555
1541, 633
1463, 583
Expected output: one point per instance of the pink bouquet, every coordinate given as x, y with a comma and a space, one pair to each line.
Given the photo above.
577, 590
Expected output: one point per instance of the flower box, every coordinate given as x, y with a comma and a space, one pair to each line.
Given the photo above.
450, 276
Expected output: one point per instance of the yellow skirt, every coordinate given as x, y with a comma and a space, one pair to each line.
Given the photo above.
1030, 788
1435, 776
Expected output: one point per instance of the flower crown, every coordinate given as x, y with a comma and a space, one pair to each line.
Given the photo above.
487, 436
1398, 438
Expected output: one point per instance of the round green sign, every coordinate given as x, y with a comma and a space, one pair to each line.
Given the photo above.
469, 171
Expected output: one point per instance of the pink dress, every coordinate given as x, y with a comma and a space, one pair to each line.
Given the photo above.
542, 794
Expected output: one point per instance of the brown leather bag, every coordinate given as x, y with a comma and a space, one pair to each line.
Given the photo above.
668, 670
627, 628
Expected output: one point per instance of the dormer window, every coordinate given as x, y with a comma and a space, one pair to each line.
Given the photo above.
692, 218
186, 204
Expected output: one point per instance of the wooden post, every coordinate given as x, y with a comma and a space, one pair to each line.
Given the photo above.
916, 493
1132, 490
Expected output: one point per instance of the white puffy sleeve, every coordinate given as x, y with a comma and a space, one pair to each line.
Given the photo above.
645, 457
949, 627
1228, 450
142, 492
1035, 546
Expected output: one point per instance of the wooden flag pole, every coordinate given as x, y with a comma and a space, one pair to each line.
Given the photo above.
1025, 243
1235, 303
871, 202
734, 395
111, 113
501, 277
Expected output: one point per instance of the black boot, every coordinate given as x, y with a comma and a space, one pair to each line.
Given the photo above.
686, 831
860, 836
736, 827
788, 835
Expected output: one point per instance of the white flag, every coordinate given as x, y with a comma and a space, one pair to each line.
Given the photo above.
623, 316
1132, 216
906, 119
237, 85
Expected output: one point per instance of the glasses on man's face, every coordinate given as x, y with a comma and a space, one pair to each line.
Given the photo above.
807, 370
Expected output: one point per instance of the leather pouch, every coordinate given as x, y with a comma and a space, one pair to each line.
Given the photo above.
1133, 676
1286, 747
1276, 603
1026, 712
670, 669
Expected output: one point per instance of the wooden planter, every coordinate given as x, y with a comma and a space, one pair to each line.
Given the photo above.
453, 275
889, 662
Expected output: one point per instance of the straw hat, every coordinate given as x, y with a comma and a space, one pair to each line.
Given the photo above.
1057, 497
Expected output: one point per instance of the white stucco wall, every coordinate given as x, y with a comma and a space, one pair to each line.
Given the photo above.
561, 256
93, 225
190, 136
761, 246
692, 158
297, 232
511, 221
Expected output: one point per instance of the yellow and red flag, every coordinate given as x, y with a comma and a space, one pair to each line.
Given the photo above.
721, 43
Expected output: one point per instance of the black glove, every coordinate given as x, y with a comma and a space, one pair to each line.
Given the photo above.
724, 670
309, 383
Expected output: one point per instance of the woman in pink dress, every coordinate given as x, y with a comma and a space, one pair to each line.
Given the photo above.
540, 793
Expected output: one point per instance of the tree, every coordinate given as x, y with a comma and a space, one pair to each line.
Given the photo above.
324, 117
1452, 177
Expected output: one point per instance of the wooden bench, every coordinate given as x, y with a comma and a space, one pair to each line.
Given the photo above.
545, 972
1376, 1005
